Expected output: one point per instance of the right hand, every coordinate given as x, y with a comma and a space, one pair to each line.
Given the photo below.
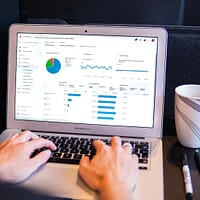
112, 171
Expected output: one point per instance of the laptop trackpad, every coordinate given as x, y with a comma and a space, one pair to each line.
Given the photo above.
60, 180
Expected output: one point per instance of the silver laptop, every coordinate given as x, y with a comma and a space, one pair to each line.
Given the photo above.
72, 83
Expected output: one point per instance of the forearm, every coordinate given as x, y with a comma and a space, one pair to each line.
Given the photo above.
6, 173
3, 172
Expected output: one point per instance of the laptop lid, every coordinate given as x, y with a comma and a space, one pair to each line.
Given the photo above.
88, 79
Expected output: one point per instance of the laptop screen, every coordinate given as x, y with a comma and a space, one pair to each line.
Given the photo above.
89, 79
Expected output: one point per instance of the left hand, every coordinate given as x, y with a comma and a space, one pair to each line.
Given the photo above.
15, 161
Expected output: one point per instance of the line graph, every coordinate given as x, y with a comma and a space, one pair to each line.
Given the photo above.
96, 67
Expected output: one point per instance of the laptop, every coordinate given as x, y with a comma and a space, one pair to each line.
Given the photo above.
87, 82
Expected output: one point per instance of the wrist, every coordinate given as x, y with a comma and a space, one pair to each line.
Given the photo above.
115, 190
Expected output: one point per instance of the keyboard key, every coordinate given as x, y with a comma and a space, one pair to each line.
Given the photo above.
77, 156
57, 155
67, 156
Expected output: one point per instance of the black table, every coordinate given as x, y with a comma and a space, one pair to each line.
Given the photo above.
173, 178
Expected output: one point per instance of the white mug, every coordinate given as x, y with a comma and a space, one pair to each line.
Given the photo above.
187, 115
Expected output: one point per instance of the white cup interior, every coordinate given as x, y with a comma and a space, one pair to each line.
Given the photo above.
190, 91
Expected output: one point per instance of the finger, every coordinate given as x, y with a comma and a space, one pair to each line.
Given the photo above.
84, 163
85, 173
38, 160
24, 136
135, 157
116, 142
40, 143
127, 147
135, 165
3, 144
83, 167
99, 145
13, 136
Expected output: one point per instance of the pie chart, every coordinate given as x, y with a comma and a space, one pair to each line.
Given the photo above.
53, 65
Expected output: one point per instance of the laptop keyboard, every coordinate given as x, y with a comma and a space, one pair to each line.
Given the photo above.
71, 149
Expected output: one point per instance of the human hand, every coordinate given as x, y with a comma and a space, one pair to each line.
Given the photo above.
113, 170
16, 163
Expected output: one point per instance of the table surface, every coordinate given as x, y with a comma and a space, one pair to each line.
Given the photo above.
173, 178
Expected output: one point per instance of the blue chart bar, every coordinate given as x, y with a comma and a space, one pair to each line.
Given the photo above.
70, 99
106, 118
105, 112
127, 70
111, 102
107, 96
106, 107
74, 95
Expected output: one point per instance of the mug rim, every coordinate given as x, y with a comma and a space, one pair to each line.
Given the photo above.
180, 93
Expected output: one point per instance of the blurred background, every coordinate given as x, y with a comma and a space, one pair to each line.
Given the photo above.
175, 15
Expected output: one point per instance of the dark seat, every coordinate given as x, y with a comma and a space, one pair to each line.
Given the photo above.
106, 11
183, 64
9, 13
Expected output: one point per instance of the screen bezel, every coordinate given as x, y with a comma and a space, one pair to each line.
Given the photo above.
155, 131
